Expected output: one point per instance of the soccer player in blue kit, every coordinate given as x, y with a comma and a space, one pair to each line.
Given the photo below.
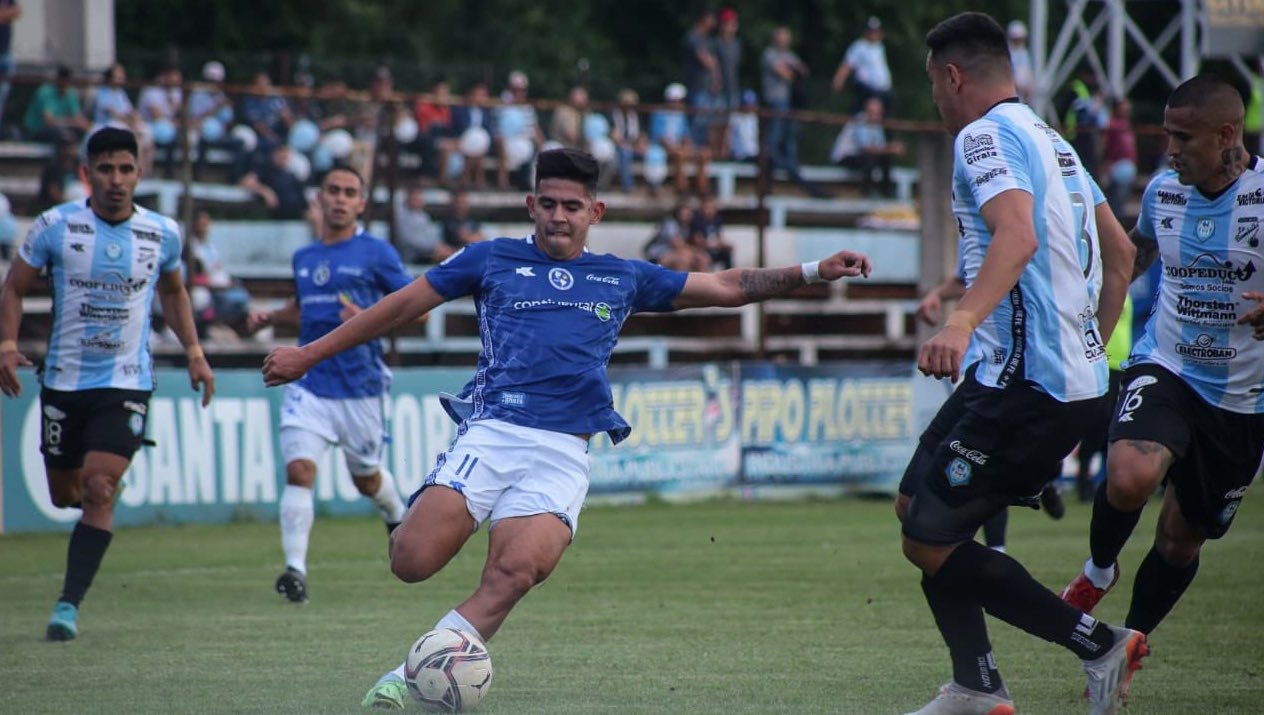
1191, 410
340, 399
549, 313
105, 258
1046, 270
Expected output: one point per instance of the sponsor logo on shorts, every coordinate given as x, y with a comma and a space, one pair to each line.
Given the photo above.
513, 399
137, 407
1226, 514
561, 279
53, 413
1236, 493
969, 453
958, 472
136, 423
1132, 400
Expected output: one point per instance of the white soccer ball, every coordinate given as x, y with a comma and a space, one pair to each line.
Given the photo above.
448, 671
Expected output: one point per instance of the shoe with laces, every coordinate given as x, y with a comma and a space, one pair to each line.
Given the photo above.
1082, 594
954, 699
293, 585
1110, 675
389, 693
64, 624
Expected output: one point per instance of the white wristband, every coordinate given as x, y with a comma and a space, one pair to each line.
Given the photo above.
812, 272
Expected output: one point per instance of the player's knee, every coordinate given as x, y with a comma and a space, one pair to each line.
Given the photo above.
367, 486
301, 473
1131, 479
98, 489
512, 578
409, 566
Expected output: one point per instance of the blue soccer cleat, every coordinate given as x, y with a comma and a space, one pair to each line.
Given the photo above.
63, 626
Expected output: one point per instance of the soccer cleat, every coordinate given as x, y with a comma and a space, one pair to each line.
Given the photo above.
389, 693
1109, 675
1051, 502
954, 699
1082, 594
63, 626
293, 585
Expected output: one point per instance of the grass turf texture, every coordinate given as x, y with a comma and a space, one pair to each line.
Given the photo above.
705, 608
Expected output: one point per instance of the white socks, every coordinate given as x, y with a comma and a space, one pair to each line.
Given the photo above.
1101, 577
387, 499
296, 525
451, 620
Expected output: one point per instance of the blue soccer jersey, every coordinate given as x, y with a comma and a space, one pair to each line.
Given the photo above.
1211, 254
360, 270
548, 328
102, 279
1045, 330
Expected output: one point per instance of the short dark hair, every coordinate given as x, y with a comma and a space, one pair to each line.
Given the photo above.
974, 41
1208, 91
347, 168
108, 139
569, 164
63, 73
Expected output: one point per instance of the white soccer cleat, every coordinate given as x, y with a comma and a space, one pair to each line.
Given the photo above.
954, 699
1109, 675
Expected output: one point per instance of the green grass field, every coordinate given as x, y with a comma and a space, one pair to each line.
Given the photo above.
706, 608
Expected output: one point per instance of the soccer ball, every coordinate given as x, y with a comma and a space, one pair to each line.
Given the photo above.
448, 671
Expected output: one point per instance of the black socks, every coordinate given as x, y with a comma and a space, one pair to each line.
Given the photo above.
1109, 530
83, 558
1158, 587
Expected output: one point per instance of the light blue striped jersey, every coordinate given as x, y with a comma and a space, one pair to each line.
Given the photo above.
102, 278
548, 328
1045, 330
1211, 253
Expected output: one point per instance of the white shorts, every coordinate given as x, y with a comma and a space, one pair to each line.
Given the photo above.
311, 424
505, 470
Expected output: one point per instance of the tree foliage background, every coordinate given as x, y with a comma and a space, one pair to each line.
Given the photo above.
634, 43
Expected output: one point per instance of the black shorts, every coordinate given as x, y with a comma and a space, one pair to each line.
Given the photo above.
102, 420
1217, 451
986, 449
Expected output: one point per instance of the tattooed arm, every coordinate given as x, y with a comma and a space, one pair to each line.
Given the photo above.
1147, 252
739, 286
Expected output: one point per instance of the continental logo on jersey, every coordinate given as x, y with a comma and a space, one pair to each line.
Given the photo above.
82, 229
602, 311
978, 148
143, 235
1066, 162
1254, 198
1203, 349
989, 175
1172, 198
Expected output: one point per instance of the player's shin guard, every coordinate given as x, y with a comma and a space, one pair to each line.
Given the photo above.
961, 623
1158, 587
1007, 591
297, 514
387, 499
83, 558
1109, 530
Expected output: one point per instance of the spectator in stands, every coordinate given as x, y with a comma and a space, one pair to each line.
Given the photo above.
112, 107
567, 124
866, 64
862, 145
702, 76
211, 114
1119, 154
1084, 114
330, 107
435, 137
9, 12
159, 105
781, 68
476, 114
54, 114
272, 181
59, 181
671, 245
707, 230
1020, 56
744, 129
728, 57
229, 302
518, 132
669, 128
267, 113
625, 130
460, 229
418, 238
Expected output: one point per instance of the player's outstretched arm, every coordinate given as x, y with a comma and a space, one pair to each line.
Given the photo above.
179, 316
739, 286
399, 308
287, 314
19, 281
1118, 256
1008, 216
